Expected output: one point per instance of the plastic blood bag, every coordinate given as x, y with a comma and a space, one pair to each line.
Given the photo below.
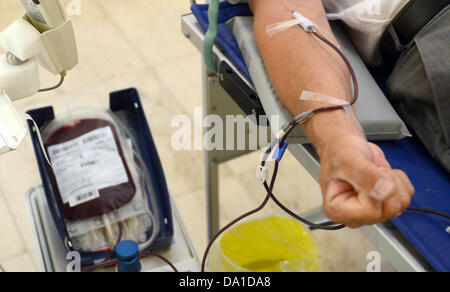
100, 184
89, 169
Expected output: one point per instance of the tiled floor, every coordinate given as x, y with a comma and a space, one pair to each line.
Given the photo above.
138, 43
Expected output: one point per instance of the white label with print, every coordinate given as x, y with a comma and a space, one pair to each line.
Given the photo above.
83, 198
86, 165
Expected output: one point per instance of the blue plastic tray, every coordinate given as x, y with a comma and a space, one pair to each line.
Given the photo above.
123, 104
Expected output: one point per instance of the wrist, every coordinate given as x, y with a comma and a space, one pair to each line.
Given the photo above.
326, 127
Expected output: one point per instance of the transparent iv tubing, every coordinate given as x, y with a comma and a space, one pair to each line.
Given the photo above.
146, 186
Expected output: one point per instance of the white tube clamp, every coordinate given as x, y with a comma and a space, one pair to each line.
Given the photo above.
304, 22
299, 19
262, 173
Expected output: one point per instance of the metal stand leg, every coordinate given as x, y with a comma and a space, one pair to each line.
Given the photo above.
212, 195
216, 101
211, 166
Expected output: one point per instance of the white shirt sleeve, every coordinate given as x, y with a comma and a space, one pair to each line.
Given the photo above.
367, 19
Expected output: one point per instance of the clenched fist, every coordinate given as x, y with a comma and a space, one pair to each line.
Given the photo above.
359, 186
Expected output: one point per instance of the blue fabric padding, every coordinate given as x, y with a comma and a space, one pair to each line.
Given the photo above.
427, 233
225, 39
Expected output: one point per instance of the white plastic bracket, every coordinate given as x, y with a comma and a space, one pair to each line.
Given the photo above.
55, 49
304, 22
19, 81
262, 173
12, 127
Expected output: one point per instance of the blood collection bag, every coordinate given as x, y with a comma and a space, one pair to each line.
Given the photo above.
89, 167
102, 186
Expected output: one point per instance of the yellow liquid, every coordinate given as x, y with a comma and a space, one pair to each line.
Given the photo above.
269, 245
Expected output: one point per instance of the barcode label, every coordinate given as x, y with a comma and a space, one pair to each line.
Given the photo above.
94, 138
83, 198
89, 163
65, 148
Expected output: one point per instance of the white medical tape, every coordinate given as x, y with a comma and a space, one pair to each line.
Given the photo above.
273, 29
319, 97
280, 134
299, 19
349, 110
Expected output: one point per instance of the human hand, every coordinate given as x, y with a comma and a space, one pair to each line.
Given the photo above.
359, 186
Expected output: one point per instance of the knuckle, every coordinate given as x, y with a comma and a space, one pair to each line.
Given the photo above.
393, 206
330, 214
401, 174
394, 189
393, 209
373, 215
331, 207
405, 202
412, 190
378, 150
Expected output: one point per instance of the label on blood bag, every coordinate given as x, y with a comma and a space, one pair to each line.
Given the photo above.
86, 165
83, 198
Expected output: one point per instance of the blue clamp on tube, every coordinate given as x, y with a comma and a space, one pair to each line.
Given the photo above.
279, 152
128, 254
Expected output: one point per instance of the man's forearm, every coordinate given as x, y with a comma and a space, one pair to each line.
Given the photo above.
359, 186
297, 61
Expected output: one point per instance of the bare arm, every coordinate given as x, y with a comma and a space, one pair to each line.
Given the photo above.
358, 184
296, 61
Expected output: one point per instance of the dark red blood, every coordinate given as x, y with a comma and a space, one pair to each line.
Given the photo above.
111, 198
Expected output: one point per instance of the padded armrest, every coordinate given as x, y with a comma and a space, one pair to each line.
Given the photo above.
376, 115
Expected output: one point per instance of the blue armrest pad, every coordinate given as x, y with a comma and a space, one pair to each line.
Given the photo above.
427, 233
225, 39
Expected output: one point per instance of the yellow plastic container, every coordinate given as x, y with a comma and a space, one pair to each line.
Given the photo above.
276, 244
